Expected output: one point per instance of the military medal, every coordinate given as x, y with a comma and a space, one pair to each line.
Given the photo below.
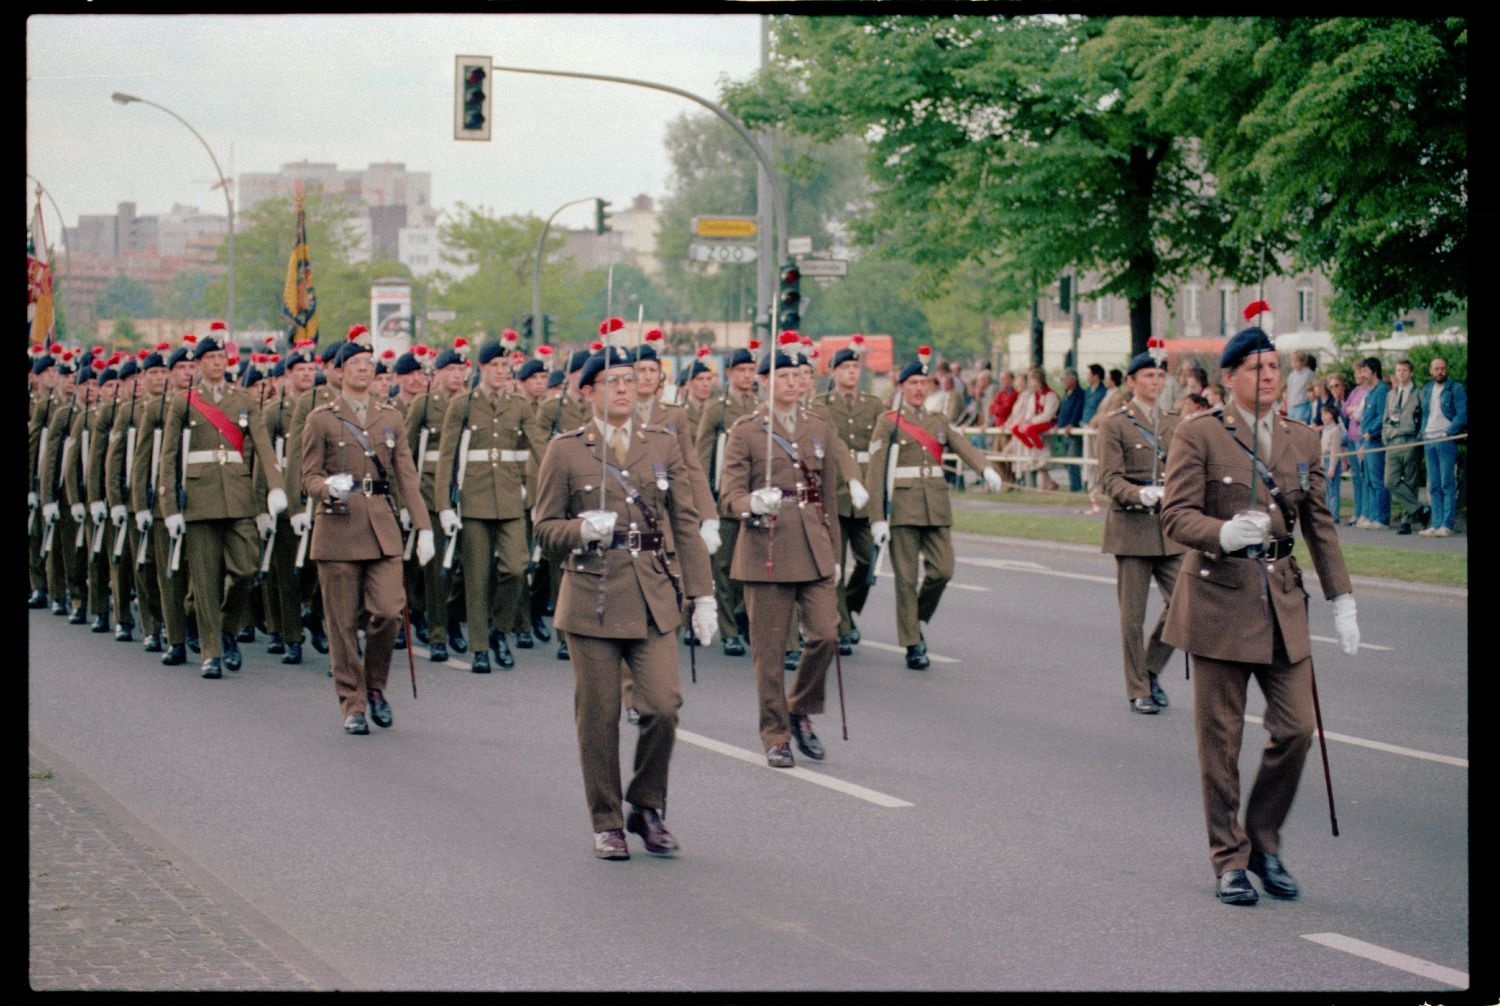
244, 419
817, 448
661, 475
1302, 480
390, 439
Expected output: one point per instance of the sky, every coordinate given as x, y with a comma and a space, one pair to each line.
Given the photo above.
357, 89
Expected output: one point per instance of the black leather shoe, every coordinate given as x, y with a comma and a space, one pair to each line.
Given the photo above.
380, 709
780, 756
246, 635
524, 640
734, 646
355, 723
419, 626
846, 645
742, 623
611, 844
437, 652
540, 631
278, 645
319, 640
562, 648
260, 623
1423, 516
1157, 694
791, 660
293, 654
78, 617
176, 654
193, 644
502, 650
152, 643
101, 624
1273, 876
807, 741
1144, 705
632, 717
400, 642
122, 633
853, 632
916, 657
38, 599
212, 668
456, 641
232, 658
59, 608
646, 823
481, 662
1234, 888
1405, 528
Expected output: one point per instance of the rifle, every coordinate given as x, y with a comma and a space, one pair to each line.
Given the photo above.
891, 450
422, 437
456, 482
175, 561
124, 531
268, 540
41, 452
303, 539
152, 473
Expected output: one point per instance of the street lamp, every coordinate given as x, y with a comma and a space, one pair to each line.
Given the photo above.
125, 99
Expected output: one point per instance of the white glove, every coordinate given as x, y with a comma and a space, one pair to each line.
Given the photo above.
1244, 529
598, 524
1345, 623
119, 514
992, 479
176, 526
300, 523
880, 532
1150, 495
451, 523
709, 532
31, 501
263, 523
765, 501
79, 512
705, 619
143, 521
425, 548
339, 485
50, 512
405, 517
858, 494
98, 510
276, 502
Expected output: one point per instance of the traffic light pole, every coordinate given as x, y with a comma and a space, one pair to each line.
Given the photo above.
537, 325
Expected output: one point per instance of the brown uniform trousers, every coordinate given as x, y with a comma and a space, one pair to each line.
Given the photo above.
221, 506
552, 418
357, 542
921, 514
145, 483
853, 419
786, 565
618, 606
90, 571
439, 592
126, 439
67, 576
307, 581
281, 589
41, 411
1241, 617
719, 415
1133, 534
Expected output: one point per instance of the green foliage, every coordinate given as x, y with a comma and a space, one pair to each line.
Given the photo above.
124, 333
124, 297
1455, 354
187, 296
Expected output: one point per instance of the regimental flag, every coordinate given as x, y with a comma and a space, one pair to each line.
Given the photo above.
299, 298
38, 279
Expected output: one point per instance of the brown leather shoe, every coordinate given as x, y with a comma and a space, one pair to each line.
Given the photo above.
610, 844
646, 823
780, 756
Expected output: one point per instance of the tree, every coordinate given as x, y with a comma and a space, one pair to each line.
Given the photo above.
187, 295
124, 297
124, 333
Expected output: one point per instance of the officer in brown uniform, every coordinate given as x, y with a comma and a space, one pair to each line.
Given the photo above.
219, 427
352, 455
786, 553
719, 416
1240, 608
489, 520
1132, 449
909, 501
612, 496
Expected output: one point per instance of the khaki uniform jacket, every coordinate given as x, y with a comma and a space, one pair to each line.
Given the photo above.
557, 416
75, 465
805, 545
101, 437
144, 482
719, 415
1127, 461
675, 421
430, 406
127, 428
362, 527
42, 407
693, 409
1216, 610
306, 402
493, 488
853, 419
921, 500
216, 489
635, 586
277, 414
51, 480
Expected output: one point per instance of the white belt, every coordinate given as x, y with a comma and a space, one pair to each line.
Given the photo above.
430, 458
497, 454
915, 472
863, 457
220, 454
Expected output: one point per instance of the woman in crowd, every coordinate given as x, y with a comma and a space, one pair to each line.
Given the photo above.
1035, 413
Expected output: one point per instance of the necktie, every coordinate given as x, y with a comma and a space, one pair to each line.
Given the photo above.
1263, 437
620, 445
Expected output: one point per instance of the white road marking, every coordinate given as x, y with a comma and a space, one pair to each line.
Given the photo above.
1362, 646
1388, 748
902, 650
816, 778
968, 586
1391, 958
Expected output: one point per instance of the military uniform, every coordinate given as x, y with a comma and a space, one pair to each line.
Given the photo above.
42, 400
553, 417
87, 592
853, 418
146, 485
426, 413
719, 415
311, 595
125, 445
66, 583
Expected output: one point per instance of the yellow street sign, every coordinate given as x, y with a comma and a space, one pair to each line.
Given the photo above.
725, 227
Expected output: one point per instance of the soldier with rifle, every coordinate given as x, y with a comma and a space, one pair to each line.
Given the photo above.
119, 438
65, 574
301, 521
119, 474
103, 581
530, 378
284, 604
695, 389
44, 397
90, 591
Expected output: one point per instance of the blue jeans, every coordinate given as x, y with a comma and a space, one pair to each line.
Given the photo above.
1357, 484
1377, 497
1073, 447
1442, 482
1331, 490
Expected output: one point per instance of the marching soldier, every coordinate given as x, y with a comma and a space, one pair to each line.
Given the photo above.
608, 497
44, 398
1132, 464
64, 582
121, 437
284, 588
104, 590
301, 522
786, 553
408, 380
121, 465
352, 453
719, 415
698, 382
89, 593
214, 508
909, 501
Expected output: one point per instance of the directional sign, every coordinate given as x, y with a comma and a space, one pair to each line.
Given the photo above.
725, 227
703, 251
798, 246
437, 315
816, 268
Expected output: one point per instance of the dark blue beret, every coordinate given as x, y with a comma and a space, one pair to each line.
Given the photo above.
490, 350
407, 363
578, 359
1141, 361
349, 350
1250, 340
843, 356
41, 363
128, 368
611, 356
912, 369
783, 361
556, 379
741, 356
529, 369
330, 353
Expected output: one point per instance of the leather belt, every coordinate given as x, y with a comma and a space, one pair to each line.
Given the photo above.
803, 494
373, 487
1276, 548
221, 455
497, 454
917, 472
637, 541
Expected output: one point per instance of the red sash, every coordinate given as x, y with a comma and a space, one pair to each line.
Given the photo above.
927, 440
228, 430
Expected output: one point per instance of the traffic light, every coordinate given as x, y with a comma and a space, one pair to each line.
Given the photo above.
1065, 294
790, 299
526, 330
601, 218
548, 324
471, 112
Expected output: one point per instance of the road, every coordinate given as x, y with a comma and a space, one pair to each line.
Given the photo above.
999, 822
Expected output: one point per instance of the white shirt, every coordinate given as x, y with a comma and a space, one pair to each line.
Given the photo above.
1437, 423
